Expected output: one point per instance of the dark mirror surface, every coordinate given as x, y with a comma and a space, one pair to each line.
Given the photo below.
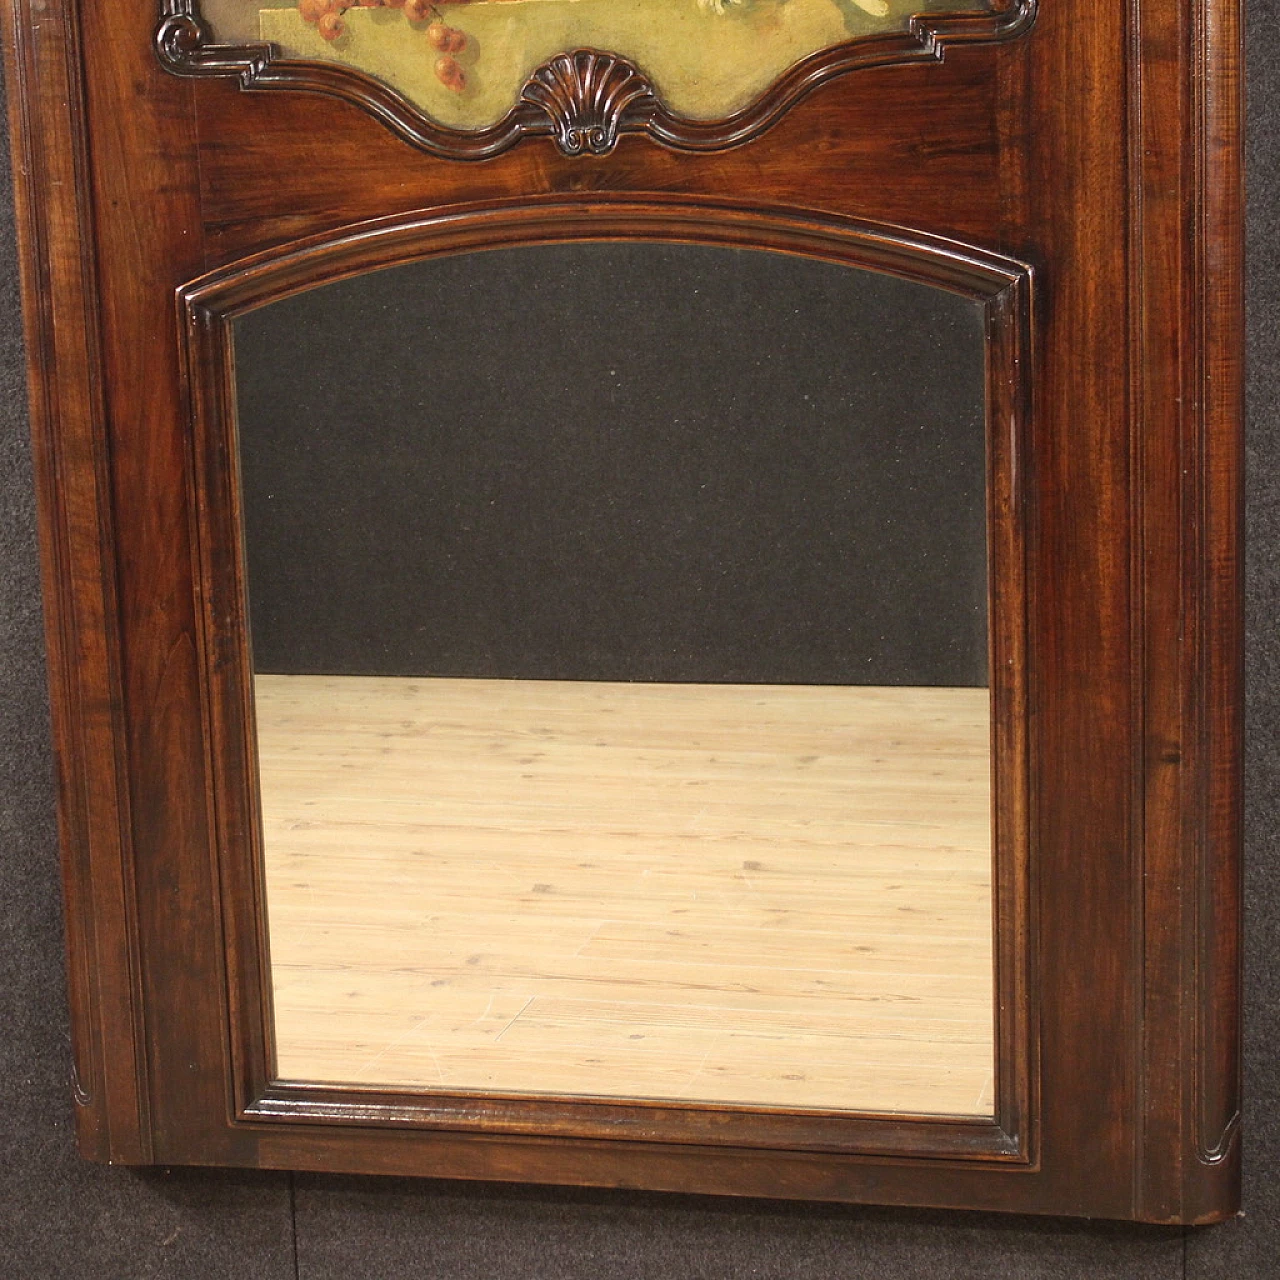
617, 462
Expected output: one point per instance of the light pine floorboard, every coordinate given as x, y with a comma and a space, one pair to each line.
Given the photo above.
775, 895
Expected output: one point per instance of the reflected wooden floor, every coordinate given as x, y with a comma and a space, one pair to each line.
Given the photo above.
777, 895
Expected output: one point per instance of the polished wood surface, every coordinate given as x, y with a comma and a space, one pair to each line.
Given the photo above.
765, 894
1101, 150
585, 98
1005, 288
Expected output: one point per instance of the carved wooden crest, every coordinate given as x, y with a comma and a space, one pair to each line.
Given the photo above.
584, 98
586, 95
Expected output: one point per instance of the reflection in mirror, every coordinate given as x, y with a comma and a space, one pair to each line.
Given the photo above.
619, 625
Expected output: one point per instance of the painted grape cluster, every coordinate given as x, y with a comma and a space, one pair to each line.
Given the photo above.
326, 17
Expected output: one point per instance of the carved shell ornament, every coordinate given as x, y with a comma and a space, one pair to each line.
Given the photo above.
469, 78
585, 94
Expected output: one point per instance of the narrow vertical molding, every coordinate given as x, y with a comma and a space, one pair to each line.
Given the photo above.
64, 359
1217, 76
1135, 125
1185, 405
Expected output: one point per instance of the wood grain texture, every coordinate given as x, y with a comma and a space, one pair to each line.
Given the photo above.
584, 114
1190, 617
1102, 150
209, 305
933, 129
757, 894
60, 287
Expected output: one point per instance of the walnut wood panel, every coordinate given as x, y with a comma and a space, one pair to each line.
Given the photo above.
1085, 714
890, 137
143, 250
1102, 149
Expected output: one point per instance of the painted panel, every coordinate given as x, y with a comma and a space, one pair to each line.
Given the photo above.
464, 63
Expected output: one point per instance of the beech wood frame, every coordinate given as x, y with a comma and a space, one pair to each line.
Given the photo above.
1097, 153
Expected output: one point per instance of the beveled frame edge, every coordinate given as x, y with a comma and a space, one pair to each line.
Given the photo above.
207, 308
186, 47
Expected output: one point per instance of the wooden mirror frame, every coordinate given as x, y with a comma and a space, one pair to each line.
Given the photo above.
1080, 177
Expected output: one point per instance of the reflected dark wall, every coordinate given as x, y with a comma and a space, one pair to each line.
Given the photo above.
617, 462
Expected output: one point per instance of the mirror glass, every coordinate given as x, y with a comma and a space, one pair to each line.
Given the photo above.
464, 64
619, 632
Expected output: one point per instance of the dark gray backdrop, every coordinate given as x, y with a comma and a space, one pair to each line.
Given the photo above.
798, 499
61, 1217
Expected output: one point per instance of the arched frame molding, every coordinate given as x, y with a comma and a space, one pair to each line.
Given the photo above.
207, 308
